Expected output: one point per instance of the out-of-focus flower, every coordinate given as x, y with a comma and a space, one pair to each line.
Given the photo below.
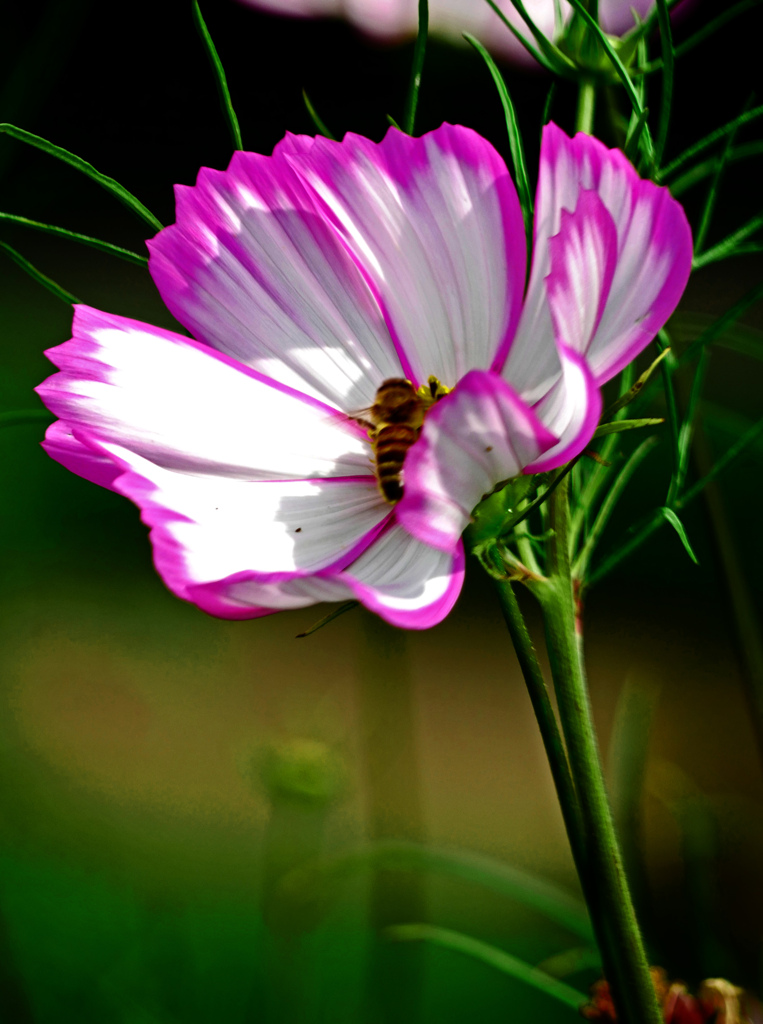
310, 278
394, 19
718, 1002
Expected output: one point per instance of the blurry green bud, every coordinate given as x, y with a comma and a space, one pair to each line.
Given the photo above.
303, 771
584, 49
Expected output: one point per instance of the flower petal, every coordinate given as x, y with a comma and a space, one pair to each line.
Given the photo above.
571, 409
252, 268
472, 439
653, 260
435, 224
583, 258
61, 445
408, 583
405, 582
205, 529
185, 406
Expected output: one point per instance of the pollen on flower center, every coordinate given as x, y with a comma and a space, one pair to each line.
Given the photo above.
395, 422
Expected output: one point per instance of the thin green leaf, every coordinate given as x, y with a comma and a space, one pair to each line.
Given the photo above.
419, 52
319, 124
708, 140
744, 152
550, 57
678, 526
547, 105
748, 438
117, 190
393, 122
709, 207
722, 324
593, 534
687, 427
648, 24
594, 479
515, 141
22, 417
346, 607
220, 78
38, 276
635, 131
741, 338
666, 40
747, 250
663, 342
74, 236
728, 247
655, 522
618, 65
705, 32
633, 392
571, 961
475, 868
720, 420
617, 426
491, 955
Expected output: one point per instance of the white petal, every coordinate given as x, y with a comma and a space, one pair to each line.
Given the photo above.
571, 410
252, 268
408, 583
206, 529
185, 406
435, 224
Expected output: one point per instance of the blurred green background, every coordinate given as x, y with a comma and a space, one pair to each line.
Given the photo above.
162, 770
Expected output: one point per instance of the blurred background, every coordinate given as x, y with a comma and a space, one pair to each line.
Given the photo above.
187, 804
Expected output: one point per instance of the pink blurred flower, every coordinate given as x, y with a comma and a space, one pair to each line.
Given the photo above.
391, 19
310, 277
718, 1002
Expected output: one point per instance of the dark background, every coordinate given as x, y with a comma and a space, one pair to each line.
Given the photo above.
137, 837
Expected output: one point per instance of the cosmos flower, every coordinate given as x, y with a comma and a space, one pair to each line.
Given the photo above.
394, 19
309, 278
717, 1002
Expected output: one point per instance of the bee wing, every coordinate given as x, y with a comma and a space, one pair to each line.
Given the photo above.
356, 420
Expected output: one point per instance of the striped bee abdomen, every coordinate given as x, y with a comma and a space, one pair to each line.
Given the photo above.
391, 443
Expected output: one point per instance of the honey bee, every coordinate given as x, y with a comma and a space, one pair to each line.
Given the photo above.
394, 424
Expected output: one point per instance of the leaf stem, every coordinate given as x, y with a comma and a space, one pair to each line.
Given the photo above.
666, 39
117, 190
221, 80
419, 52
75, 236
38, 276
658, 518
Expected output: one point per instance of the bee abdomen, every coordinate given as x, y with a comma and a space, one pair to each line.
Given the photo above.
390, 445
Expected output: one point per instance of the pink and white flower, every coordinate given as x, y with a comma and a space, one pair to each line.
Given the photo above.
307, 279
395, 19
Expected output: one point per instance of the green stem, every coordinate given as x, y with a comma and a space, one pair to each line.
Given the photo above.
586, 107
549, 728
557, 759
632, 987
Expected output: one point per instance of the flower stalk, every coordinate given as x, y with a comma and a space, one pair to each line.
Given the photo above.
633, 988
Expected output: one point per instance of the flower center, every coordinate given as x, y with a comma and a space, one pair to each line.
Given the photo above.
396, 419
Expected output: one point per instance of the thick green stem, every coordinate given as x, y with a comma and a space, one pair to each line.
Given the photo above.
549, 728
586, 106
557, 758
632, 986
